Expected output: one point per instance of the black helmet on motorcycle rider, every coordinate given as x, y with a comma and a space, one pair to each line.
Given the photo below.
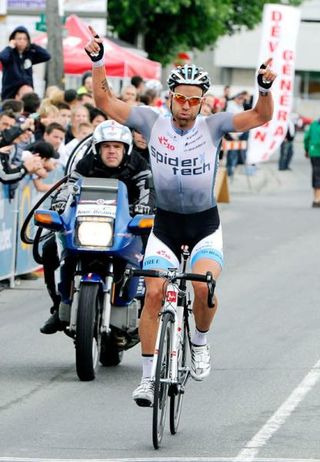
189, 74
110, 130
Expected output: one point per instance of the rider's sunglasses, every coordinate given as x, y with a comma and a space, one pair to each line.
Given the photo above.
182, 99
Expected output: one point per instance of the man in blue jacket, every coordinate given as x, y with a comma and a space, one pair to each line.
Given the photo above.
17, 60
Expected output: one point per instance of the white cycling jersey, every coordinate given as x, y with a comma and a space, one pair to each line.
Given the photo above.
184, 162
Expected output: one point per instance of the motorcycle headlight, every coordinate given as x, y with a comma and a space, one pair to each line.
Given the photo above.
96, 232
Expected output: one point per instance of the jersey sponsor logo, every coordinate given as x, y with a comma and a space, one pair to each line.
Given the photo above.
165, 142
186, 166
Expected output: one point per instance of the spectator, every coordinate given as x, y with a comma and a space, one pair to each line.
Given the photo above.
71, 97
54, 134
140, 145
226, 96
286, 148
84, 130
54, 95
86, 98
129, 94
24, 89
79, 114
20, 142
13, 105
65, 114
138, 82
31, 103
9, 131
96, 116
48, 156
235, 156
312, 151
207, 104
7, 120
48, 113
17, 60
86, 84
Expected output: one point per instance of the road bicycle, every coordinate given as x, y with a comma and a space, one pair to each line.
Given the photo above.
170, 371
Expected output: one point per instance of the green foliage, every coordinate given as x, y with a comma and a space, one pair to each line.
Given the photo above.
170, 26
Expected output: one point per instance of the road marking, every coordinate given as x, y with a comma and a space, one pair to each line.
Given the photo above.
153, 459
252, 448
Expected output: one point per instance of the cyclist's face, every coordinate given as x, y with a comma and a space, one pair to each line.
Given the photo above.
185, 110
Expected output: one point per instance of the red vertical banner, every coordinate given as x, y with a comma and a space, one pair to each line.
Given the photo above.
279, 35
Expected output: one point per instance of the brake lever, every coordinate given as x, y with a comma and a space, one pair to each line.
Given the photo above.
126, 278
211, 286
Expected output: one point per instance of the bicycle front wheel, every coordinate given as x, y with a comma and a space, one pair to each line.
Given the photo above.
161, 385
177, 390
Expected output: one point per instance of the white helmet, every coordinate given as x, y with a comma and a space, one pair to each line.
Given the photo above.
189, 74
110, 130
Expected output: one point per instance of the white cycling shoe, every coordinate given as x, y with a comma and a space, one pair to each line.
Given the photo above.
143, 395
200, 362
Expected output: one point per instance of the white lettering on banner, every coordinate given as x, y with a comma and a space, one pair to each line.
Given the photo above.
5, 238
279, 35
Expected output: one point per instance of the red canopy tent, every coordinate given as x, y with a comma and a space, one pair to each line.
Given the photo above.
119, 62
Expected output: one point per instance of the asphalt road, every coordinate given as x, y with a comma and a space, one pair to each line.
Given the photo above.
262, 400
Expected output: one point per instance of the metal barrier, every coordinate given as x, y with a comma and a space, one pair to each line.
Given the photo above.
16, 257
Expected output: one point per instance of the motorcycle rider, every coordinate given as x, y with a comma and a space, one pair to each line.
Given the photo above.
112, 156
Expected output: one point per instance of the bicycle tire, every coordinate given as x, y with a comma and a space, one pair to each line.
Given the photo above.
177, 391
161, 387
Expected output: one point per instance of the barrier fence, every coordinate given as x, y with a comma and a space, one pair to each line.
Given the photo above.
16, 257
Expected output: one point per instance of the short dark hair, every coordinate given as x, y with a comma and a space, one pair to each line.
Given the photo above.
31, 102
54, 126
70, 95
8, 113
13, 105
136, 80
63, 105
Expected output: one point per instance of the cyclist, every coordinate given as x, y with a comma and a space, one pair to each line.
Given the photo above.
111, 156
184, 158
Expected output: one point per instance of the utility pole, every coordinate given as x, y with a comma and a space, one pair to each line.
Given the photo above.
55, 73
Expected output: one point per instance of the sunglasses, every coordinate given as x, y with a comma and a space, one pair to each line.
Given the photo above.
182, 99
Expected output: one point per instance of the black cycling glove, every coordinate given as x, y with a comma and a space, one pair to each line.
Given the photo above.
96, 56
264, 84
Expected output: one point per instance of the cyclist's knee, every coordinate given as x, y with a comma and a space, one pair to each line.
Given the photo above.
154, 295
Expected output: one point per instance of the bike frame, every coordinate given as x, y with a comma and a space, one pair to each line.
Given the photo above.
172, 305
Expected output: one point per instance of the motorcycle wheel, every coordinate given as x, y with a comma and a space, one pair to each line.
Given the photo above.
109, 353
88, 333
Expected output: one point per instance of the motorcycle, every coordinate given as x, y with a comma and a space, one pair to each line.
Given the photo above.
97, 233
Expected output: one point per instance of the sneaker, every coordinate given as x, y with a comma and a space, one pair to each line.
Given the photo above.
144, 393
53, 324
200, 362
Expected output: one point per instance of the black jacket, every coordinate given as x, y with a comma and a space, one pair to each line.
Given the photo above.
134, 172
16, 68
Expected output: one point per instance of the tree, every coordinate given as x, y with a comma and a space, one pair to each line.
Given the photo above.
167, 27
55, 74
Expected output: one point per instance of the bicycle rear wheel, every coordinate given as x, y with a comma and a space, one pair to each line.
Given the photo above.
161, 386
177, 390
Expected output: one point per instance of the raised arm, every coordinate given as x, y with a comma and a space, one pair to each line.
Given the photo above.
263, 110
104, 97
